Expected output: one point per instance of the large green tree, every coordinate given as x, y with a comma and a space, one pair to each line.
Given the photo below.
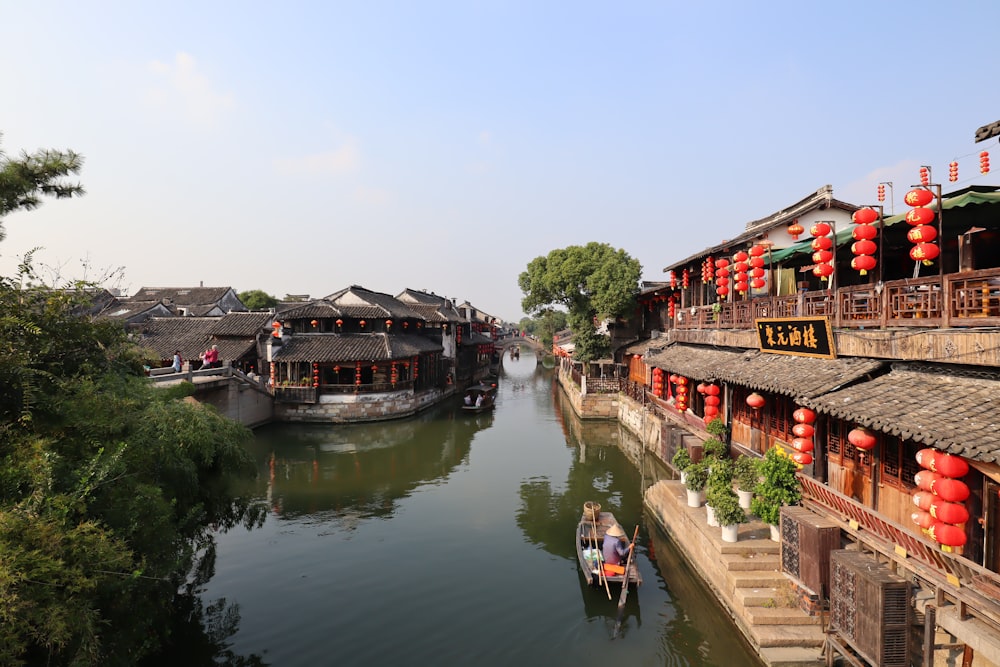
107, 485
25, 180
592, 282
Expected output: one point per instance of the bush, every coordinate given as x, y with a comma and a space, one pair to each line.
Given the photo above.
716, 428
720, 480
715, 448
778, 486
681, 459
727, 509
696, 476
746, 473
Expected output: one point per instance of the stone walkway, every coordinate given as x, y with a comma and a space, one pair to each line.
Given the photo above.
746, 577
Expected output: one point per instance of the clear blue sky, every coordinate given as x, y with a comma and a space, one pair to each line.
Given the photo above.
300, 147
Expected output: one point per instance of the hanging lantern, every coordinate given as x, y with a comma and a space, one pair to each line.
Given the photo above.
865, 216
822, 271
918, 197
711, 412
388, 324
712, 390
741, 256
881, 191
947, 534
949, 512
802, 444
922, 234
339, 323
864, 247
952, 490
362, 323
864, 232
804, 416
984, 162
822, 243
755, 401
919, 216
862, 438
671, 308
673, 279
803, 430
820, 229
925, 176
685, 278
314, 323
795, 230
757, 251
924, 252
952, 171
949, 465
822, 256
713, 401
863, 264
802, 458
923, 500
922, 519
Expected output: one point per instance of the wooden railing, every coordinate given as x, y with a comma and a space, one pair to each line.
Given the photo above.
957, 579
967, 299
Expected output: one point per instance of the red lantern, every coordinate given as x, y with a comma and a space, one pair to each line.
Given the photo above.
949, 512
984, 162
863, 264
803, 430
314, 322
925, 479
340, 323
711, 412
755, 401
722, 291
923, 499
822, 243
700, 388
865, 216
741, 256
822, 271
820, 229
919, 216
757, 251
712, 401
712, 390
822, 256
924, 252
948, 465
362, 323
947, 534
864, 232
802, 458
795, 230
918, 197
952, 490
864, 247
802, 445
804, 416
862, 438
685, 278
681, 380
923, 519
742, 286
952, 171
922, 234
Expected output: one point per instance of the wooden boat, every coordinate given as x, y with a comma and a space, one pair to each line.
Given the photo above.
585, 548
479, 398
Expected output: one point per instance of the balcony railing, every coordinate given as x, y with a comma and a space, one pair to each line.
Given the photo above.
967, 299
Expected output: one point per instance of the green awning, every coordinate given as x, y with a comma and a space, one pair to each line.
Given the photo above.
844, 235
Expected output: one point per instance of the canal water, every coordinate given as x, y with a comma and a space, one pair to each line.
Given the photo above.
447, 539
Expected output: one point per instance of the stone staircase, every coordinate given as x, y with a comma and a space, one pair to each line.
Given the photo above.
745, 576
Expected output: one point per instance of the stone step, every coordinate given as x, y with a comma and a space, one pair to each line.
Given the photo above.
791, 656
754, 562
779, 616
792, 636
762, 579
757, 597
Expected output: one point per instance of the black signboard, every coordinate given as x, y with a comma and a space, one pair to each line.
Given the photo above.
801, 336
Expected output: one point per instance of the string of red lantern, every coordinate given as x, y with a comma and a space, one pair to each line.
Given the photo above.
757, 274
722, 278
673, 279
680, 393
685, 278
740, 268
984, 162
953, 171
803, 432
864, 248
658, 382
822, 257
923, 233
881, 192
940, 512
671, 308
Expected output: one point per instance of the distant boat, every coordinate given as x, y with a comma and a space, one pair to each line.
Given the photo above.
479, 398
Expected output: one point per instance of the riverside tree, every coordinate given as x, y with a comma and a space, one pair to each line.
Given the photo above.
107, 486
592, 282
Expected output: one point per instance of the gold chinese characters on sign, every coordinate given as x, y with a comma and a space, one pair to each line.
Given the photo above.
801, 336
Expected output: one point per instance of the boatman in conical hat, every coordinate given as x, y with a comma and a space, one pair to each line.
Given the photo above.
616, 546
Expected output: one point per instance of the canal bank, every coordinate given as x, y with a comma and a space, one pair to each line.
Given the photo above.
746, 575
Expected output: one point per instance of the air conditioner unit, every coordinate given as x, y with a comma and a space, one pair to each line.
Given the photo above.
806, 542
870, 608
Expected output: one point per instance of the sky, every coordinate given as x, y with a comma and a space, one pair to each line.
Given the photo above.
303, 147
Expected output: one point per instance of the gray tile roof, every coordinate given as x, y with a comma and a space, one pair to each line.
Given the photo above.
358, 302
237, 324
779, 373
317, 308
951, 409
183, 296
353, 347
190, 335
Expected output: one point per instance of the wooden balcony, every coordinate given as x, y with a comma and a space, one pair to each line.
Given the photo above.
967, 299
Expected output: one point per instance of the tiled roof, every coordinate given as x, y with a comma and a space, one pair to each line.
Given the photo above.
432, 313
318, 308
954, 410
190, 335
779, 373
358, 302
130, 308
476, 339
183, 296
646, 347
237, 324
352, 347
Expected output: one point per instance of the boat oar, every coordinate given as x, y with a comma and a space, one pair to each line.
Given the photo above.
621, 598
600, 560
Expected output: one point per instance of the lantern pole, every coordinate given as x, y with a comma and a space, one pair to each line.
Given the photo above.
892, 197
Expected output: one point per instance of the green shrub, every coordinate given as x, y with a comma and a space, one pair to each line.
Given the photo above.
746, 473
696, 476
715, 448
727, 509
681, 459
778, 486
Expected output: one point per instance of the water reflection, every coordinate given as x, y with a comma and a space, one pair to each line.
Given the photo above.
345, 473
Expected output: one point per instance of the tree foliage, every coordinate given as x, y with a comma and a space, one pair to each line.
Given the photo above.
257, 299
108, 486
545, 324
25, 180
592, 282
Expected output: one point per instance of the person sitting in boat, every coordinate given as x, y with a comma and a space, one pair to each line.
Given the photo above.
479, 401
616, 546
468, 399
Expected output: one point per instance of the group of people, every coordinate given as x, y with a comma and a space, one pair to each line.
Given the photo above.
209, 359
479, 400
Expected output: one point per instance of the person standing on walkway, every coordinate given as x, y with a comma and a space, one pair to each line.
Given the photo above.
178, 362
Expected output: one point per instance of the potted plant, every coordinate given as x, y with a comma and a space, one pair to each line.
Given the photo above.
695, 480
719, 484
729, 514
714, 449
681, 460
716, 428
746, 474
778, 486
